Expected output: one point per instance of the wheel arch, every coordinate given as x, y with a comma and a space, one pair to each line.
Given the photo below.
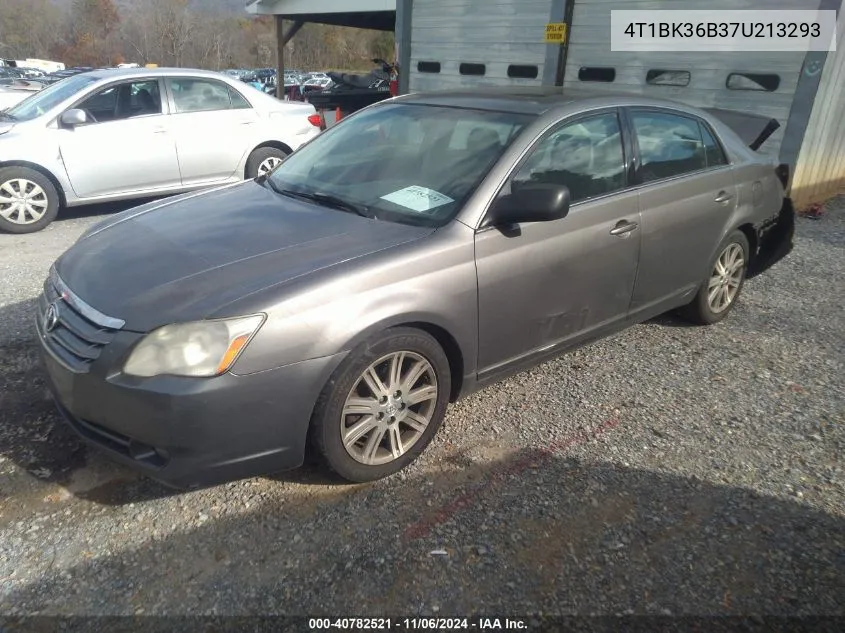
441, 332
750, 233
42, 170
274, 144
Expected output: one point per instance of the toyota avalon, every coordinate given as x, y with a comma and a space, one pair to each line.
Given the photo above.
422, 248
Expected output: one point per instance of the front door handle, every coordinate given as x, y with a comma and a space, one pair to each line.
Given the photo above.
159, 130
623, 227
723, 196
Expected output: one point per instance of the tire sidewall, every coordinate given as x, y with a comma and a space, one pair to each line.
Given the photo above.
326, 421
706, 314
53, 199
258, 156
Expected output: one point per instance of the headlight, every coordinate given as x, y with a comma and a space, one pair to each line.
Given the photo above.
201, 348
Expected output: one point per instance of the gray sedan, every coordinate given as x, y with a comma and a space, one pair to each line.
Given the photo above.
419, 250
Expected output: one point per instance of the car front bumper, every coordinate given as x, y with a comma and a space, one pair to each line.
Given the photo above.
189, 432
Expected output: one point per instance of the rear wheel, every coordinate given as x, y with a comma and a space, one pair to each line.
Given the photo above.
721, 289
383, 405
28, 200
264, 160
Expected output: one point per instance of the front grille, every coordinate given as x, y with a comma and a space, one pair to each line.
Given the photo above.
74, 332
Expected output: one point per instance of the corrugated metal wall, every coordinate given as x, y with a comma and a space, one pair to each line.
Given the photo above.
820, 170
590, 46
496, 33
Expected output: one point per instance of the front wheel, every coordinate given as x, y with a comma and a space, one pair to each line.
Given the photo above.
721, 289
264, 160
383, 405
28, 200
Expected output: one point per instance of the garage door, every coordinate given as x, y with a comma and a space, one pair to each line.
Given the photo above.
762, 82
465, 43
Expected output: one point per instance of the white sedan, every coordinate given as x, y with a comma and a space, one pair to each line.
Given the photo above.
132, 133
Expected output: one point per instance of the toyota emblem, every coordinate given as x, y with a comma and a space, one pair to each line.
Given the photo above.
51, 318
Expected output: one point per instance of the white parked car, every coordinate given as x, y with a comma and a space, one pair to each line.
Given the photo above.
132, 133
12, 94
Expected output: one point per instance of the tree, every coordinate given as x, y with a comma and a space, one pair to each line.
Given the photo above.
93, 32
28, 28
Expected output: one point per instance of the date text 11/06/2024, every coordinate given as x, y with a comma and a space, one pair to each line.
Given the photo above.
418, 623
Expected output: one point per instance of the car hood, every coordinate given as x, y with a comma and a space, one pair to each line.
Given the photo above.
5, 126
189, 259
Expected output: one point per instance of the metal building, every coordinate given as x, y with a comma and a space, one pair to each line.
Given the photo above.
465, 43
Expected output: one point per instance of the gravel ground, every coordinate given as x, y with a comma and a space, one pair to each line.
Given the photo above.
670, 469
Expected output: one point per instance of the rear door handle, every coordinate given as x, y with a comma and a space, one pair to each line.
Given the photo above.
623, 227
723, 196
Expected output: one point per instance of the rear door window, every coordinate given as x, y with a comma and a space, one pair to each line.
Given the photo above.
199, 95
669, 145
712, 150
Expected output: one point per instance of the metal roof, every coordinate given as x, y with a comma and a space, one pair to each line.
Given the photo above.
364, 14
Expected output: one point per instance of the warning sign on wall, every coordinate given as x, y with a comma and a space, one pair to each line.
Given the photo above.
556, 33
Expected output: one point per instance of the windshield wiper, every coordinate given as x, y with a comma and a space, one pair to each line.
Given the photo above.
327, 200
7, 116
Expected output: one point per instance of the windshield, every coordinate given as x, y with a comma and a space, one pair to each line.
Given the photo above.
47, 99
408, 163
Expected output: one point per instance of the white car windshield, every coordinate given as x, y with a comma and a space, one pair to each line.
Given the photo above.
409, 163
47, 99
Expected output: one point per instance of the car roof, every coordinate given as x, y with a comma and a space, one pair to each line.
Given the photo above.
129, 73
531, 100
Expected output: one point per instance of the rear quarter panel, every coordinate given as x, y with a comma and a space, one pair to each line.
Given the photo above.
759, 191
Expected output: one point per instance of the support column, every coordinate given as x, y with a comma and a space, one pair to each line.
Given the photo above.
402, 36
282, 40
280, 58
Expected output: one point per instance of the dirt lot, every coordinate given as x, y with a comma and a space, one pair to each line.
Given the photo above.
670, 469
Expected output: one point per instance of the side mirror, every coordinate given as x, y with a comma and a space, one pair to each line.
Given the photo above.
74, 117
532, 202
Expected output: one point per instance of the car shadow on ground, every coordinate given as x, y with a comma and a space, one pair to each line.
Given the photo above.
102, 208
534, 531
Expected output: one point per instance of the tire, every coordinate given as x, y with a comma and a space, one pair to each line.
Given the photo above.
259, 159
706, 312
33, 212
389, 419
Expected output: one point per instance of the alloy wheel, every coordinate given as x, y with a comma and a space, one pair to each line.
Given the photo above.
268, 165
389, 408
726, 278
22, 201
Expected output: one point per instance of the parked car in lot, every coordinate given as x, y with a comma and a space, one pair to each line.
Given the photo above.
420, 249
17, 90
119, 134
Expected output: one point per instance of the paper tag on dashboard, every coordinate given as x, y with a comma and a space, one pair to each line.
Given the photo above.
418, 198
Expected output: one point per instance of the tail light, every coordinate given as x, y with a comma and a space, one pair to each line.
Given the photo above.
316, 120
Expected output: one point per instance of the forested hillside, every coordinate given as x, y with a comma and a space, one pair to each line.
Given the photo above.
214, 34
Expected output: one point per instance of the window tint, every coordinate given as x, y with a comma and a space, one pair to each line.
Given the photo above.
712, 150
123, 101
472, 69
428, 67
669, 145
519, 71
594, 73
668, 77
239, 102
198, 95
476, 135
753, 81
586, 156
